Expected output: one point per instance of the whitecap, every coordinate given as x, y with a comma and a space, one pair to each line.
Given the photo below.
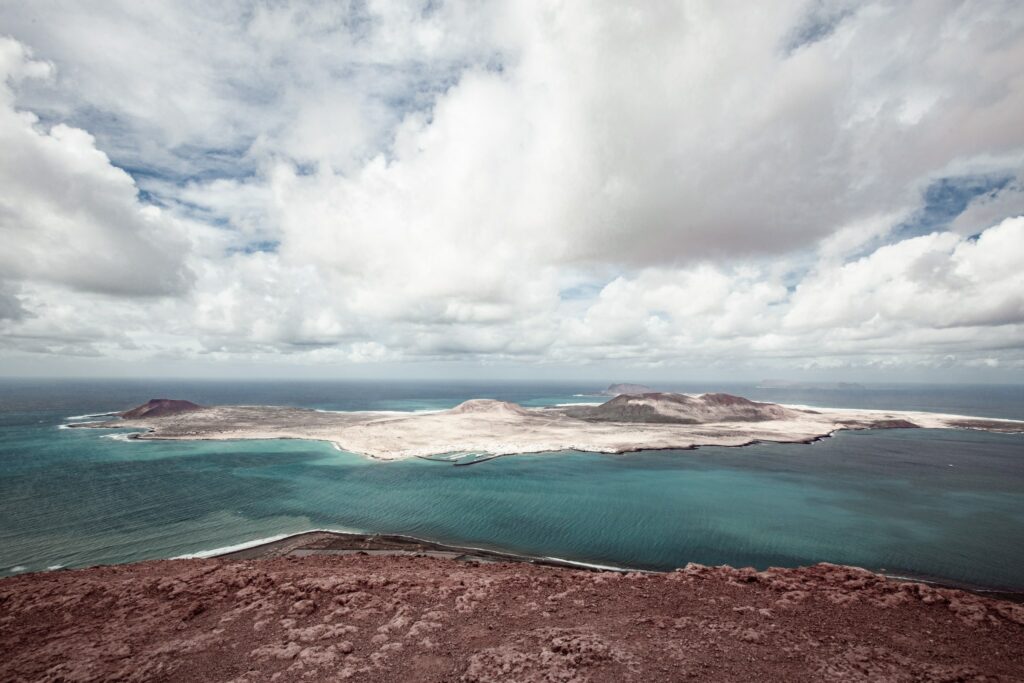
54, 567
122, 437
18, 569
86, 417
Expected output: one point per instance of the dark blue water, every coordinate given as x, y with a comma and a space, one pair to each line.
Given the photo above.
939, 503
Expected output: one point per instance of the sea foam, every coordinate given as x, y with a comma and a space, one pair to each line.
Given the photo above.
122, 437
279, 537
86, 417
256, 542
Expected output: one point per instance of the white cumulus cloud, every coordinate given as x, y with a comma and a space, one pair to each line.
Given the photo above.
687, 184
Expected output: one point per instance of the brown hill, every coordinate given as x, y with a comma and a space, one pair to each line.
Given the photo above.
160, 407
680, 409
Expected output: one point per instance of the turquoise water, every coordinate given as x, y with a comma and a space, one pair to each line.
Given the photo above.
938, 503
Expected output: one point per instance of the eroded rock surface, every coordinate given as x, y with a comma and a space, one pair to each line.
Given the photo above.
682, 409
161, 407
379, 618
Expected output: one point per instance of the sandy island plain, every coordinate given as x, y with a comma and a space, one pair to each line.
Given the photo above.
628, 422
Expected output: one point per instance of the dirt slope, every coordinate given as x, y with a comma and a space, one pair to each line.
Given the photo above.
383, 618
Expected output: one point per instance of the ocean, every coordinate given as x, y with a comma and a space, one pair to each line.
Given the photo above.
939, 504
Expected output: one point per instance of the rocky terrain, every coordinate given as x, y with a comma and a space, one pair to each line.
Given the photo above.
160, 407
403, 618
625, 423
681, 409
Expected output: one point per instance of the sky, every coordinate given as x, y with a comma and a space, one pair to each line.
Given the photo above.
523, 189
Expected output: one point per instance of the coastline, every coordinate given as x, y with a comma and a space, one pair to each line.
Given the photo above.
485, 413
488, 429
151, 434
335, 542
390, 616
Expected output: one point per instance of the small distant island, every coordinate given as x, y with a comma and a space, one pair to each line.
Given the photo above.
619, 389
627, 422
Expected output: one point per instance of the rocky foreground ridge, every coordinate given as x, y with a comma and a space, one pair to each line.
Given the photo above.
386, 618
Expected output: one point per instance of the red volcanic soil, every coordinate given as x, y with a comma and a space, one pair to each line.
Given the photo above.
388, 618
160, 407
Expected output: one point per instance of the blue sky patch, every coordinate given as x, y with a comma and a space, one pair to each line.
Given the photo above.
817, 25
947, 198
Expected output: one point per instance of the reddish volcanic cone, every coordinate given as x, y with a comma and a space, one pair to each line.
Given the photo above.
160, 407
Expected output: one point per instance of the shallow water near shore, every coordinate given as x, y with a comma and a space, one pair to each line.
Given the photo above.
938, 503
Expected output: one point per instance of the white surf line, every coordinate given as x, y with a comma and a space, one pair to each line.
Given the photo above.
125, 437
204, 554
512, 553
224, 550
900, 412
602, 567
86, 417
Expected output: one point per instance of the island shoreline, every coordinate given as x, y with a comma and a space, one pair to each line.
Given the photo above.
486, 428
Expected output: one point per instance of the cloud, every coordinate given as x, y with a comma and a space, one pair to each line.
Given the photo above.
66, 214
188, 89
926, 296
682, 182
1007, 200
937, 281
11, 307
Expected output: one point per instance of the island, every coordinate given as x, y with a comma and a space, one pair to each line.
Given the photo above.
619, 389
485, 428
333, 606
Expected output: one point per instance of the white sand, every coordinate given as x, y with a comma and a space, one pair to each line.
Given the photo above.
499, 428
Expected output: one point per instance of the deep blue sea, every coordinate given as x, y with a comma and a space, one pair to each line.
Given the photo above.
932, 503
